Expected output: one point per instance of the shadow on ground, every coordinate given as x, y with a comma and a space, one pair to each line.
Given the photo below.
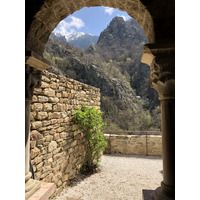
81, 177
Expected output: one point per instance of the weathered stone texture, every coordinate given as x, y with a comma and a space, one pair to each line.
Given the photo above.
57, 146
150, 145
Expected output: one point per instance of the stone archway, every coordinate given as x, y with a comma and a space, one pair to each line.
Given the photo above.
160, 57
52, 12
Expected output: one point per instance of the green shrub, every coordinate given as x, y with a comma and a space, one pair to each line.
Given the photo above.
90, 123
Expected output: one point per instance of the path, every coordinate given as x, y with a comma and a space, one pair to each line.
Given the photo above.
120, 178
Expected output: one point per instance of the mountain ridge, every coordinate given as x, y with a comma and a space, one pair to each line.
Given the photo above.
127, 100
77, 39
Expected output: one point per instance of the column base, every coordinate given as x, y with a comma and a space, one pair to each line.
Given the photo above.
31, 186
147, 194
45, 191
164, 193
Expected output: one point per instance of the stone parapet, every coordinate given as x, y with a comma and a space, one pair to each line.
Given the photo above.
145, 145
57, 146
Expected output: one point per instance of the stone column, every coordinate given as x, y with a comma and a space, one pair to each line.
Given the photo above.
163, 80
35, 64
32, 80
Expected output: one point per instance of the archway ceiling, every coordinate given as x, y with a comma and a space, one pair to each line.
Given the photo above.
42, 17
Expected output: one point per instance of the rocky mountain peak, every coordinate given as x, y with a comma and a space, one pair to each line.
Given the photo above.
113, 65
128, 32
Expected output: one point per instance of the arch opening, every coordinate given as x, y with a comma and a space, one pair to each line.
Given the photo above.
51, 14
115, 57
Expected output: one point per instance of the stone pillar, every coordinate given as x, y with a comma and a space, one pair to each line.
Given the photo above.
35, 64
32, 80
163, 80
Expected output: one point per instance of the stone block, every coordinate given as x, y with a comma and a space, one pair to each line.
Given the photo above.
42, 99
56, 150
72, 174
44, 78
57, 156
69, 85
147, 194
54, 115
46, 123
60, 120
32, 144
53, 145
41, 129
34, 152
54, 99
56, 136
36, 125
32, 116
54, 121
65, 177
64, 135
53, 85
48, 161
34, 98
37, 160
43, 150
66, 119
37, 175
65, 94
52, 131
49, 127
44, 174
49, 92
47, 106
48, 178
35, 135
46, 168
48, 138
37, 107
58, 95
44, 84
59, 107
59, 183
40, 141
60, 129
74, 143
41, 115
61, 88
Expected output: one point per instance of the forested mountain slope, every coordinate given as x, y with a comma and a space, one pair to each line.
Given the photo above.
114, 66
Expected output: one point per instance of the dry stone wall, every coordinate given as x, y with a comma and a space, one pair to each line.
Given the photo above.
57, 146
150, 145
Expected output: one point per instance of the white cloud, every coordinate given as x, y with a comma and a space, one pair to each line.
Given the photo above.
69, 27
109, 10
76, 22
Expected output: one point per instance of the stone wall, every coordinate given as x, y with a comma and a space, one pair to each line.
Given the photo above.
150, 145
57, 146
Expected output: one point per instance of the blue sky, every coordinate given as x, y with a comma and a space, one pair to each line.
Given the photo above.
91, 20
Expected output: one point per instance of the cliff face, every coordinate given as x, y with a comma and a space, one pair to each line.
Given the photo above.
113, 65
121, 38
123, 42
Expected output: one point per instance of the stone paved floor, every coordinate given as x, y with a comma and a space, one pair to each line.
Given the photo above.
120, 178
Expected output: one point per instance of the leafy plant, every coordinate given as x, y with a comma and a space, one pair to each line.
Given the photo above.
90, 123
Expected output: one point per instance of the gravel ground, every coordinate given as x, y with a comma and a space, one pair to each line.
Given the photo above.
120, 177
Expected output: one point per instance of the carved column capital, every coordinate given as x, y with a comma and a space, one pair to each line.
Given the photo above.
163, 72
32, 80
